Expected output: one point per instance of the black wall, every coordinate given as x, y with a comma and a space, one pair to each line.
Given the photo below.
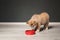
22, 10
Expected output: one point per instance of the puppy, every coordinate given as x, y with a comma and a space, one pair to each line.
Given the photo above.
38, 20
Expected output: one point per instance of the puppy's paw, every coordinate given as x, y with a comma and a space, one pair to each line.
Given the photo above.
47, 28
37, 31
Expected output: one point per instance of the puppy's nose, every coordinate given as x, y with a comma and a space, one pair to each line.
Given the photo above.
31, 24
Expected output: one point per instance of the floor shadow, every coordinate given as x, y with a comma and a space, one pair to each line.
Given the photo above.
43, 28
50, 27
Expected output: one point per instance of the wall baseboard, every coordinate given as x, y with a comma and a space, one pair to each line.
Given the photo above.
24, 23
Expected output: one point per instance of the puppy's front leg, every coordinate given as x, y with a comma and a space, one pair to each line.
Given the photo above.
46, 26
39, 26
36, 27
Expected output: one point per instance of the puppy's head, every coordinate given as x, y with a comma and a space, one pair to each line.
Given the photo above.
31, 23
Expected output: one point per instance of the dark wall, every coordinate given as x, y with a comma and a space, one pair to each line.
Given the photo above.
22, 10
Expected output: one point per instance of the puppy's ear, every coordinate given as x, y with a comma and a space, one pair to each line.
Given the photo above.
34, 21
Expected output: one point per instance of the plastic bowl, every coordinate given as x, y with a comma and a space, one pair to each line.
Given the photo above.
30, 32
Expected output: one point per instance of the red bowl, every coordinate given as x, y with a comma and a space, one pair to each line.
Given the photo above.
30, 32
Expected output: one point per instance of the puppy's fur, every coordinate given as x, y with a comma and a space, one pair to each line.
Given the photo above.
38, 20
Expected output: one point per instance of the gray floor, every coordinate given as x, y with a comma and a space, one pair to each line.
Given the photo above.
17, 32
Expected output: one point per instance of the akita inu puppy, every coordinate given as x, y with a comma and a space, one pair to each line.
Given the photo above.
38, 20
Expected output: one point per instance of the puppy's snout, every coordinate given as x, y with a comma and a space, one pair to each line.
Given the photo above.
32, 25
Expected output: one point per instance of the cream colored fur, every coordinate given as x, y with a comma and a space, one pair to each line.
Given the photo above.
39, 19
